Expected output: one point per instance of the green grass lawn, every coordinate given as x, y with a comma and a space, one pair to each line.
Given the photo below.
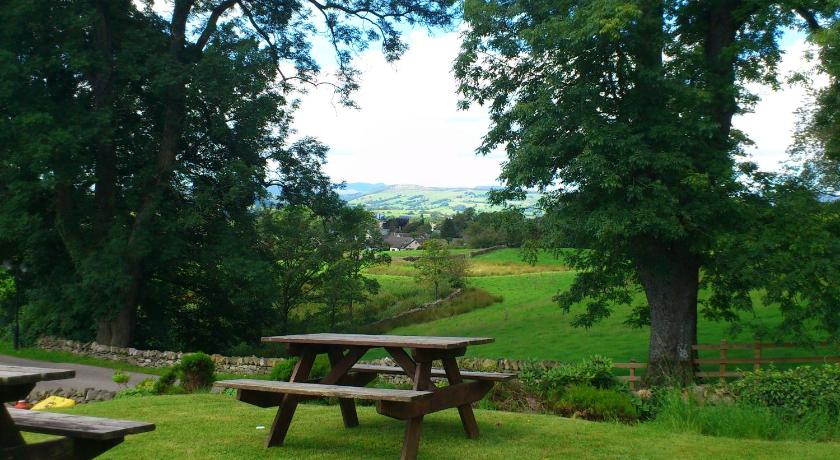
528, 324
215, 426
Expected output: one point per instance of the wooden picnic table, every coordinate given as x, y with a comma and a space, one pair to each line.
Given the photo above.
82, 437
346, 381
15, 383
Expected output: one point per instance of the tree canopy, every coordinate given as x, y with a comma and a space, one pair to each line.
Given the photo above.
620, 112
135, 146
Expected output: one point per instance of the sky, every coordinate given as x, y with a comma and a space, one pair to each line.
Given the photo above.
409, 130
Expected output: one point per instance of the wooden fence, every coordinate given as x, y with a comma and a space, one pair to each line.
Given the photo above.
724, 360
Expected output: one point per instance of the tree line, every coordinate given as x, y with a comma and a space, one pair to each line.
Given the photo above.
621, 113
135, 145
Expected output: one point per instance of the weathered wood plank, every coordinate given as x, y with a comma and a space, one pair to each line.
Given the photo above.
444, 398
436, 372
19, 375
363, 340
317, 389
76, 426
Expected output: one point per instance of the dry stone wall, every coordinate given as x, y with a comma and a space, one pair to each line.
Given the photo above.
240, 364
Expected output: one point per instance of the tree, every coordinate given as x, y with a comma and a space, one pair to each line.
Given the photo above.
626, 108
129, 139
436, 266
358, 246
294, 239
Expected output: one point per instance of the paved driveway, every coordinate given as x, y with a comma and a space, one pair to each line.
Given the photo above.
86, 376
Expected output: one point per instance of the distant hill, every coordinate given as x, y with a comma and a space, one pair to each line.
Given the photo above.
396, 200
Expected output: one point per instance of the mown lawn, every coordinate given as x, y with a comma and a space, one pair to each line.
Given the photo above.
216, 426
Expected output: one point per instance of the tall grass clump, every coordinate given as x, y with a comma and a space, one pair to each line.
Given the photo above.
802, 403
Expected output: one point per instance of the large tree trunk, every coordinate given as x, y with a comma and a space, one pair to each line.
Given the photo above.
671, 284
118, 331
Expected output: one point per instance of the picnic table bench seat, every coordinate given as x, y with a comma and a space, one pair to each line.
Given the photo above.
91, 436
321, 390
436, 372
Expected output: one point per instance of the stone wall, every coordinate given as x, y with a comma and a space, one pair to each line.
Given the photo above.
155, 358
240, 364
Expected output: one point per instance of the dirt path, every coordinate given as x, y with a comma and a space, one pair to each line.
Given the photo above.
86, 376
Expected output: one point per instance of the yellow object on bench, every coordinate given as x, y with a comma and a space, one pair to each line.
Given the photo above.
54, 402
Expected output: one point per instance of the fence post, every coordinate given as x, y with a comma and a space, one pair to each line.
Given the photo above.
724, 348
757, 356
632, 375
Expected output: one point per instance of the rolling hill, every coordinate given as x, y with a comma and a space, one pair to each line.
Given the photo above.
397, 200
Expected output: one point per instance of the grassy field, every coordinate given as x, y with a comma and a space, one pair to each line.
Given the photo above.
216, 426
414, 200
528, 324
496, 263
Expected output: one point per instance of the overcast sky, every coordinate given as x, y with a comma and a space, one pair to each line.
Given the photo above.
408, 129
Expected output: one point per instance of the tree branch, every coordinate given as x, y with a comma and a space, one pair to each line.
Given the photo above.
211, 23
809, 18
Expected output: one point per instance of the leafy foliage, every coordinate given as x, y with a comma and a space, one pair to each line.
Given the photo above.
196, 371
436, 266
799, 391
593, 403
595, 371
620, 112
282, 371
135, 145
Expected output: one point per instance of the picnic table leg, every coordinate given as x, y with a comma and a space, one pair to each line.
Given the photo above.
465, 411
348, 406
287, 409
413, 426
9, 434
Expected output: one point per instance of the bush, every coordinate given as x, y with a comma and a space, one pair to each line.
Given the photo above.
165, 382
143, 388
282, 371
197, 371
593, 403
120, 377
683, 413
595, 371
800, 391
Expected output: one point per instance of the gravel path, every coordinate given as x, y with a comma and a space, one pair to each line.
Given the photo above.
86, 376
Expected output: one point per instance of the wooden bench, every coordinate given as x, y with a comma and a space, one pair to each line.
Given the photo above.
327, 391
91, 436
436, 372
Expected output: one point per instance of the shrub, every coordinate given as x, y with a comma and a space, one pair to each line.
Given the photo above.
595, 371
282, 371
593, 403
684, 413
120, 377
800, 390
197, 371
165, 382
143, 388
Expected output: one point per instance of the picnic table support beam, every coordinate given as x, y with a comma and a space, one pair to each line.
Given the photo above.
9, 435
341, 364
287, 409
465, 411
422, 381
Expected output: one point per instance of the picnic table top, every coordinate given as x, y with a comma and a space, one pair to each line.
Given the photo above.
363, 340
19, 375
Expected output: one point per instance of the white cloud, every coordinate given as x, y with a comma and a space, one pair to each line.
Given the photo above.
409, 130
771, 125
